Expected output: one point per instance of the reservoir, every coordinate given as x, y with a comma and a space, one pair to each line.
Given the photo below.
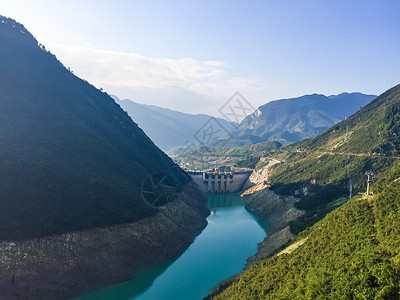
218, 252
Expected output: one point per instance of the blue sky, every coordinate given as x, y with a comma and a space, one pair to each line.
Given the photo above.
193, 55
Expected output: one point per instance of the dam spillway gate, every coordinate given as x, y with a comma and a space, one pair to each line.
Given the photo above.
220, 182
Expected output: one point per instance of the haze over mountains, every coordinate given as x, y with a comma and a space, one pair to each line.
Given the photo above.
285, 120
168, 128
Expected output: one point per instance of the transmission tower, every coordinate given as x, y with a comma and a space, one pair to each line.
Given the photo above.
370, 177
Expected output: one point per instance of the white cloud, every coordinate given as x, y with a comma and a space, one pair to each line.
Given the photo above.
190, 85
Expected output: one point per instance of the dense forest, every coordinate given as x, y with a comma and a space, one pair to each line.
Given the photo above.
353, 253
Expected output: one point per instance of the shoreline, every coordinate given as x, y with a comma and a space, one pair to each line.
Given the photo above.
267, 205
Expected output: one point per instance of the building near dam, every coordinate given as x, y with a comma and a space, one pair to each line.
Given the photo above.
220, 180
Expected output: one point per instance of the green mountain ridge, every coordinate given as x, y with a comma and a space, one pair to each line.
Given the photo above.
70, 157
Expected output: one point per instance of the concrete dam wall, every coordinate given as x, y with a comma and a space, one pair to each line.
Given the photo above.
211, 182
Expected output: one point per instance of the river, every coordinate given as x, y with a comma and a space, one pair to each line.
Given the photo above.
218, 252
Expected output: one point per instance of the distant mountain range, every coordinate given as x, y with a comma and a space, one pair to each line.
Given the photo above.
286, 120
168, 129
296, 119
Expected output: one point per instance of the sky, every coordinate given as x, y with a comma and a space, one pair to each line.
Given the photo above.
192, 56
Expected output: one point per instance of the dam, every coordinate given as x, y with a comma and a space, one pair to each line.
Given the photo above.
218, 181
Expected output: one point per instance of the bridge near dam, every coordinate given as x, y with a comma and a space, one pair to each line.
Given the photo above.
217, 181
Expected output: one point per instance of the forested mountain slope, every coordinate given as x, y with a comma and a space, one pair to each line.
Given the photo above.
70, 157
353, 253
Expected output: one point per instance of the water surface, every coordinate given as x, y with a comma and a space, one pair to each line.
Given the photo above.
218, 252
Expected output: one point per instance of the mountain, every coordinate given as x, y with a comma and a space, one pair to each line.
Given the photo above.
296, 119
322, 169
67, 148
343, 250
353, 253
169, 129
74, 169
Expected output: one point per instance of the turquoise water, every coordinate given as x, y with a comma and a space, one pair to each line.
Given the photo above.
218, 252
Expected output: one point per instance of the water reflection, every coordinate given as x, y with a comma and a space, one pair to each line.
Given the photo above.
216, 201
128, 290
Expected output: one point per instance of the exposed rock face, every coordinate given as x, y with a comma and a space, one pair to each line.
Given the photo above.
279, 211
63, 266
269, 245
265, 172
262, 174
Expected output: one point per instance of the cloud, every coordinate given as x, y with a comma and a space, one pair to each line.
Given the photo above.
181, 81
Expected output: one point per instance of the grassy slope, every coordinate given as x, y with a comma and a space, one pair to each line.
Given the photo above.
70, 157
353, 253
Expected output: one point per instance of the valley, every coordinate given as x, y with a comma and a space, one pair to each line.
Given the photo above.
199, 150
326, 232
